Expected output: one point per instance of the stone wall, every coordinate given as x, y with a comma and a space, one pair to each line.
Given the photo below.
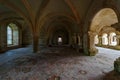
3, 38
26, 36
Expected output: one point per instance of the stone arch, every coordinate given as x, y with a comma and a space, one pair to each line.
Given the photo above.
112, 39
93, 10
60, 32
105, 17
51, 16
102, 19
52, 22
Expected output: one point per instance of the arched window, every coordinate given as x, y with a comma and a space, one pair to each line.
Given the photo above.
105, 39
9, 35
96, 39
12, 35
113, 41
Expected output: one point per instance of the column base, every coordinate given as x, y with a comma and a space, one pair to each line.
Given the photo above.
93, 51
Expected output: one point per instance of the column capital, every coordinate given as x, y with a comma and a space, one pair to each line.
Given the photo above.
92, 33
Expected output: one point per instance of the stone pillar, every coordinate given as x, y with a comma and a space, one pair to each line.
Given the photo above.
118, 39
75, 39
100, 40
3, 36
117, 27
118, 42
0, 38
78, 45
35, 42
79, 41
109, 40
92, 48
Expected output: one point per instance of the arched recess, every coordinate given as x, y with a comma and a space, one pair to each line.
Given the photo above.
56, 23
13, 35
103, 18
94, 8
59, 32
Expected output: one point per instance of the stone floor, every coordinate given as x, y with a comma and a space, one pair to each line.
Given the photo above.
56, 63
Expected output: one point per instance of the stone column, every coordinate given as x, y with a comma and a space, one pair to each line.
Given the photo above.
78, 42
92, 48
117, 27
3, 36
100, 40
35, 42
75, 39
109, 40
78, 37
0, 38
118, 42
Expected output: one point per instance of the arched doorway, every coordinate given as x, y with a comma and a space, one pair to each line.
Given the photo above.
104, 18
60, 37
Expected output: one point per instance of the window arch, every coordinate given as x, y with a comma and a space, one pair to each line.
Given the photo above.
96, 39
113, 41
12, 35
9, 35
105, 39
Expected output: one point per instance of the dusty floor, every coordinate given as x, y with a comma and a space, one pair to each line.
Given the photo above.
62, 63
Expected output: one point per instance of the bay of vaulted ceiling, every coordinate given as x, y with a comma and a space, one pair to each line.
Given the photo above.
33, 10
104, 18
56, 23
6, 13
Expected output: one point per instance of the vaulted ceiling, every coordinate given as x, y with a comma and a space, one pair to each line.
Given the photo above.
104, 18
32, 11
37, 12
